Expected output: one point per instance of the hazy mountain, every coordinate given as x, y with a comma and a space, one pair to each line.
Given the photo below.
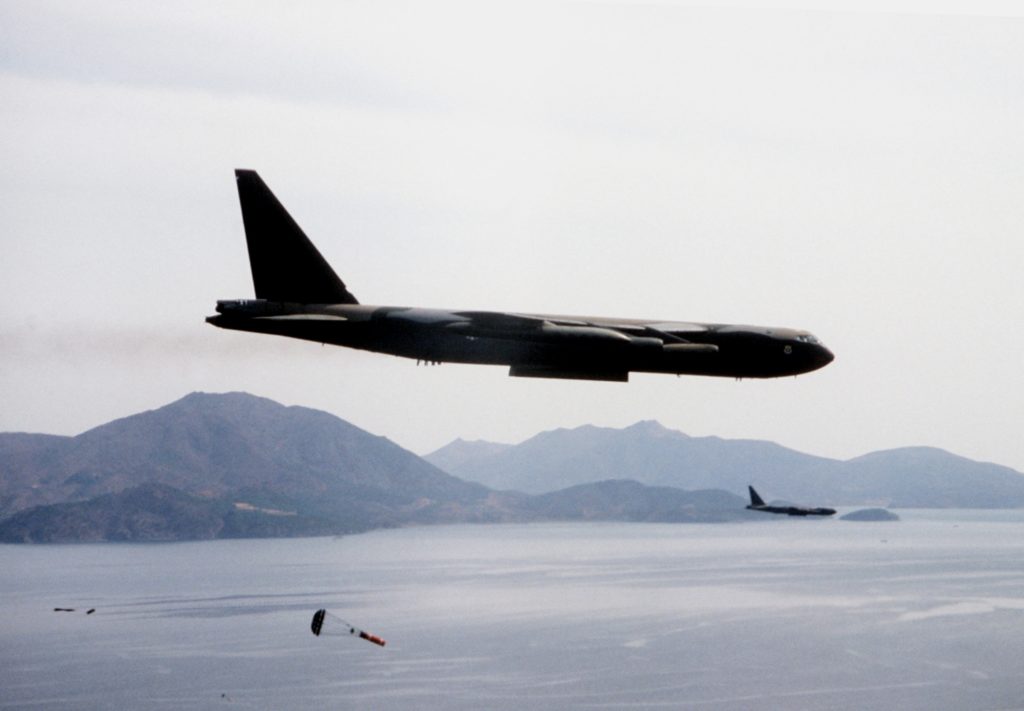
215, 466
651, 454
910, 475
151, 512
625, 500
157, 512
460, 453
239, 449
645, 452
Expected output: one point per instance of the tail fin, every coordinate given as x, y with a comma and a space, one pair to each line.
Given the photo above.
755, 500
285, 264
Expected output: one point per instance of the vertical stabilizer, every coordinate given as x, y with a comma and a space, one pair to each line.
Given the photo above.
755, 500
285, 264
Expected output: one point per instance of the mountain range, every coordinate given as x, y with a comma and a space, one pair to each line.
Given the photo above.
230, 465
236, 465
647, 452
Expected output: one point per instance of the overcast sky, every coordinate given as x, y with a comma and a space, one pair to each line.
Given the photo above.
859, 174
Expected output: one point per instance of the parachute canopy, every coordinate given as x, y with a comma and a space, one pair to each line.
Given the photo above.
327, 625
318, 621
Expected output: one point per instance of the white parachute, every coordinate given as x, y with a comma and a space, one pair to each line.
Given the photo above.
327, 625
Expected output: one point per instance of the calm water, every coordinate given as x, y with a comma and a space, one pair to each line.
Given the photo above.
925, 613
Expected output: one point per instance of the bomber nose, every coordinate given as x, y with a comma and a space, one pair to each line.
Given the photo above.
822, 357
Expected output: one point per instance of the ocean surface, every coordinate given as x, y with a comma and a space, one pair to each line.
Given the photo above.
924, 613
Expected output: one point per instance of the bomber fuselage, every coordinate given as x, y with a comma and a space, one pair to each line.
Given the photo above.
299, 295
535, 344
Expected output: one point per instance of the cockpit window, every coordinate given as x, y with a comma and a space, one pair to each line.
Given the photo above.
807, 338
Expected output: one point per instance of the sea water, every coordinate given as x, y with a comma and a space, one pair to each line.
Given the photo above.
923, 613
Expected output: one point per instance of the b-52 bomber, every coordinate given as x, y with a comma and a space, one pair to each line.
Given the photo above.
758, 504
299, 295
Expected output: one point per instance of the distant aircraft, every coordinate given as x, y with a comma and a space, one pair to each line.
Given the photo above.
758, 504
299, 295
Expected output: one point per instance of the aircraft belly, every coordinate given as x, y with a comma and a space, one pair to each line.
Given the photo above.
449, 348
430, 344
595, 354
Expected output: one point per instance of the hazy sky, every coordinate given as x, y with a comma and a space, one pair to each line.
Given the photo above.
856, 173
